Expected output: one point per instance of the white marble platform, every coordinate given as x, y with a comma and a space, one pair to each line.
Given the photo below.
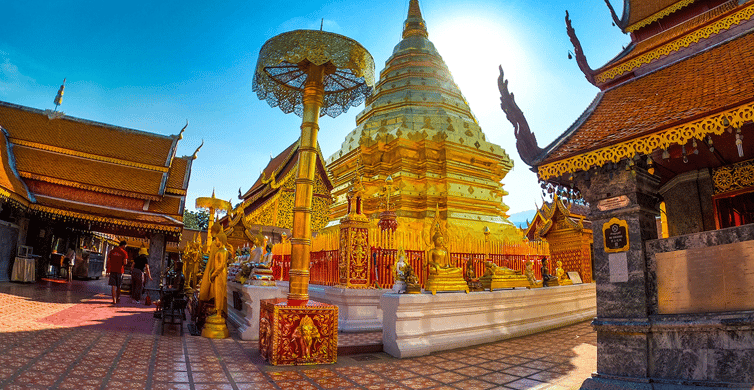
358, 309
247, 319
419, 324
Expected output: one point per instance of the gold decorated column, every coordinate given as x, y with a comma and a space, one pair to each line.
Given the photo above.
309, 73
298, 293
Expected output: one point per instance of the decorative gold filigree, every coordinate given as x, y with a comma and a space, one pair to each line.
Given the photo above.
677, 44
113, 221
280, 81
681, 134
733, 177
658, 15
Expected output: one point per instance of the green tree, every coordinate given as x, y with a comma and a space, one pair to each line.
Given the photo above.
195, 219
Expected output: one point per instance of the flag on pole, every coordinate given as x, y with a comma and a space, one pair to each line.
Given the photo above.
59, 96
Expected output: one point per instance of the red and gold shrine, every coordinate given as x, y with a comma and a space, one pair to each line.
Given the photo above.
298, 335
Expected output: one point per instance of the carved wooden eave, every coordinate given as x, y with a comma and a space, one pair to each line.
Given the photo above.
618, 22
578, 51
526, 142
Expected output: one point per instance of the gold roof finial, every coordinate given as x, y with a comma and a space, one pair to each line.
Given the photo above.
414, 24
193, 157
59, 97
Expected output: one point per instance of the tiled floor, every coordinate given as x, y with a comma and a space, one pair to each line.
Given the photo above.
68, 336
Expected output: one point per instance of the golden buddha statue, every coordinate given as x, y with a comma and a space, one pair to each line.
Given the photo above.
216, 274
443, 276
561, 275
191, 257
529, 272
502, 277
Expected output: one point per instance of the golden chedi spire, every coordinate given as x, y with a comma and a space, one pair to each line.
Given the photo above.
418, 128
414, 24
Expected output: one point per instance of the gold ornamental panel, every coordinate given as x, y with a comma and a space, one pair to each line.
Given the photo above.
733, 177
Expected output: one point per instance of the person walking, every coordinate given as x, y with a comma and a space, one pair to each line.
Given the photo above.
115, 266
139, 269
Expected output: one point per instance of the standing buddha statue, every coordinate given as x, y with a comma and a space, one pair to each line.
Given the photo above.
217, 271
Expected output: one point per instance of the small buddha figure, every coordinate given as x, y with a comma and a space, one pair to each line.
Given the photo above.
190, 258
412, 281
267, 257
217, 275
547, 279
471, 279
529, 272
442, 275
306, 333
561, 275
399, 275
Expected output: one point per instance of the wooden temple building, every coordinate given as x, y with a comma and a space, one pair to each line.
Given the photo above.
673, 122
418, 129
63, 178
568, 232
267, 207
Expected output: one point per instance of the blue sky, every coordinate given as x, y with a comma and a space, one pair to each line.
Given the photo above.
152, 65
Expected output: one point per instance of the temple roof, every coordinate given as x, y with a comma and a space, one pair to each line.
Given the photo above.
276, 172
706, 28
11, 185
93, 172
711, 82
96, 140
639, 13
107, 215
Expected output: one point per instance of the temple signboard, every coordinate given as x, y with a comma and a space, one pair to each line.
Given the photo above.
613, 203
615, 234
686, 278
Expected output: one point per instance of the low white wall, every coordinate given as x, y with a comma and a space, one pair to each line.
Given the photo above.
358, 309
247, 319
419, 324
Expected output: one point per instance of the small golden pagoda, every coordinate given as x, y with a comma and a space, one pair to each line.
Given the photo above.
568, 232
418, 129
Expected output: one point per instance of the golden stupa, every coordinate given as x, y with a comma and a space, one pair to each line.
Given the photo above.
418, 128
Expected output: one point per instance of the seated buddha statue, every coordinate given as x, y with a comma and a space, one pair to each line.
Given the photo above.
443, 276
560, 274
439, 263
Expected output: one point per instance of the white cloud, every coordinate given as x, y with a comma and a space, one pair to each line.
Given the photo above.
11, 77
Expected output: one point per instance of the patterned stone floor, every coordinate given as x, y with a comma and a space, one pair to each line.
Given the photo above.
69, 336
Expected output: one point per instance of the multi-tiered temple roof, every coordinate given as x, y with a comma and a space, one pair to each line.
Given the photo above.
418, 128
678, 94
102, 176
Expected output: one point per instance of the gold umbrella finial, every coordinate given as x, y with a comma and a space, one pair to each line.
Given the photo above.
311, 73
